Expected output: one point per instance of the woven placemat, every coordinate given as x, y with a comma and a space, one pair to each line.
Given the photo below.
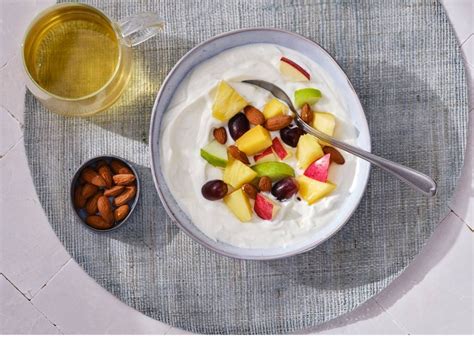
405, 64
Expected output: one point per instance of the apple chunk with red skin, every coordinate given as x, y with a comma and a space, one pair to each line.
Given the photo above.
279, 149
265, 208
293, 71
265, 156
319, 169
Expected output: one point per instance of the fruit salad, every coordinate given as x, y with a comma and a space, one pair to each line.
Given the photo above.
234, 159
256, 175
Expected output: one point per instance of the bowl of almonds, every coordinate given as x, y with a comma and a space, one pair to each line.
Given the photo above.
104, 192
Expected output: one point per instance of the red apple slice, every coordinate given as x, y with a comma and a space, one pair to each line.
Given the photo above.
265, 208
319, 169
293, 71
265, 156
279, 149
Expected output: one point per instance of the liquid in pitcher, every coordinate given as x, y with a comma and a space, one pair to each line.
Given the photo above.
72, 54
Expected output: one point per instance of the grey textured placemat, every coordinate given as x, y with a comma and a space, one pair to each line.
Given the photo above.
404, 62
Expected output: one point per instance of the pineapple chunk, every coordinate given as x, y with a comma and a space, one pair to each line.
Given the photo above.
307, 151
239, 205
273, 108
254, 140
237, 174
313, 190
324, 122
227, 102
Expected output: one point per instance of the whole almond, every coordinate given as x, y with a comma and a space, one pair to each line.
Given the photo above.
119, 167
250, 190
91, 205
254, 116
123, 179
126, 196
307, 114
89, 190
265, 184
92, 177
98, 222
237, 154
278, 122
336, 156
79, 200
220, 135
105, 209
106, 174
121, 212
114, 191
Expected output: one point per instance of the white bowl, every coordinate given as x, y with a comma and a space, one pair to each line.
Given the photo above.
214, 46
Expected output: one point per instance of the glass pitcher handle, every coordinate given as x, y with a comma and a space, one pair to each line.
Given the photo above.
139, 27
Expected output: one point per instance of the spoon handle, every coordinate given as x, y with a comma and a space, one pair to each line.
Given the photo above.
417, 180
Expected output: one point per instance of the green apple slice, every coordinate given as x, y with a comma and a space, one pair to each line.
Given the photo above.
215, 153
274, 170
307, 95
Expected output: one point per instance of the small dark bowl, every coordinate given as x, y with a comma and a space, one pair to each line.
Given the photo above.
91, 162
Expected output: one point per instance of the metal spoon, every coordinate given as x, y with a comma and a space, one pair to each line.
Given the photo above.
415, 179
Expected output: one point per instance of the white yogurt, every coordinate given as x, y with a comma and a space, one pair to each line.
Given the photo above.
187, 127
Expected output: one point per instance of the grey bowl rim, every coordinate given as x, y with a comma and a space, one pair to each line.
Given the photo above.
170, 213
75, 177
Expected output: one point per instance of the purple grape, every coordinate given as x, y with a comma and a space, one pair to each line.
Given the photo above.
285, 188
238, 125
214, 190
291, 135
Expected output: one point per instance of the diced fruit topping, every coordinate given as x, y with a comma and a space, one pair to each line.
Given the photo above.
220, 135
265, 156
279, 149
250, 190
254, 116
336, 156
319, 169
291, 135
254, 141
307, 95
292, 71
239, 205
313, 190
307, 114
227, 102
274, 170
307, 151
265, 184
273, 108
238, 125
236, 154
214, 190
265, 208
285, 188
324, 122
269, 175
215, 154
236, 174
278, 122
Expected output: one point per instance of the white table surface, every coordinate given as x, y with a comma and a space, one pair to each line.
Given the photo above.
44, 291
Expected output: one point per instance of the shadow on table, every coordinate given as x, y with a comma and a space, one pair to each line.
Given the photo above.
426, 260
149, 226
